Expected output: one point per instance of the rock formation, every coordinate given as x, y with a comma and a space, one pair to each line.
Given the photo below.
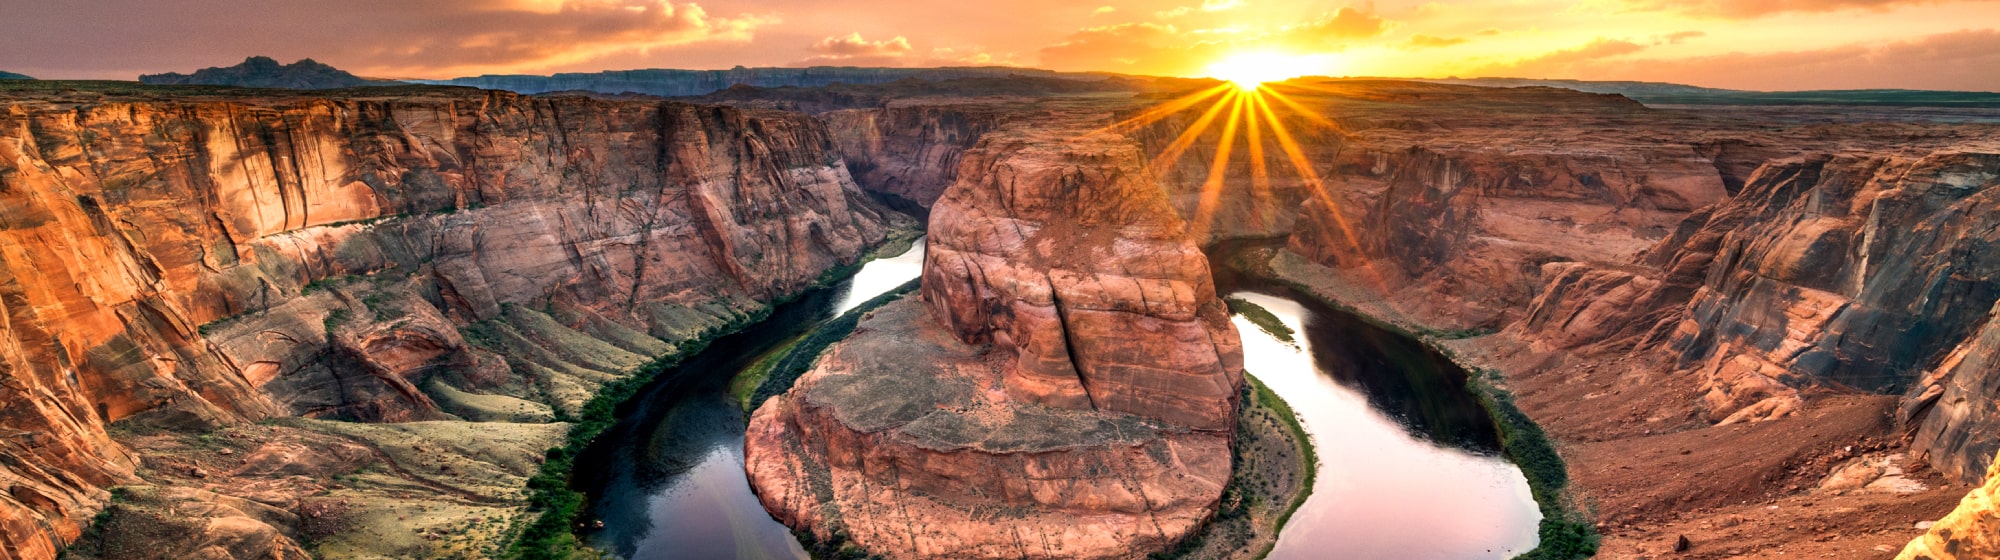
908, 150
263, 72
1742, 266
190, 262
1970, 532
1065, 388
1850, 271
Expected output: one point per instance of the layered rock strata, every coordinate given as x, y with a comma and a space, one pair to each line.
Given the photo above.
182, 261
1065, 388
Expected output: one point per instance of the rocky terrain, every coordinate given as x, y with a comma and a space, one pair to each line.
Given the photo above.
408, 287
1066, 386
1781, 276
350, 324
263, 72
1791, 302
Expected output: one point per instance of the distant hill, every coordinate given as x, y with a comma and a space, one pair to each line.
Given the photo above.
684, 83
844, 96
13, 76
263, 72
1660, 93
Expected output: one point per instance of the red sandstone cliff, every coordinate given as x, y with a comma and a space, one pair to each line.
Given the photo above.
186, 261
1065, 387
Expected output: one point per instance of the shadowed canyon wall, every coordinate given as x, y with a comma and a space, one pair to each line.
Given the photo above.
187, 262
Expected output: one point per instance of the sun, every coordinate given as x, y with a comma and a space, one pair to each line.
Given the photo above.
1249, 70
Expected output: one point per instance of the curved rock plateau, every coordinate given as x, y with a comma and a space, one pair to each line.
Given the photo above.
1066, 387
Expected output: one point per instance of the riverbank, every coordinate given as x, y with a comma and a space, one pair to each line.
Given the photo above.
1274, 467
550, 530
1565, 531
1641, 470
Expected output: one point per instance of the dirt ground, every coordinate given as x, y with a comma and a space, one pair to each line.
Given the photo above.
1653, 473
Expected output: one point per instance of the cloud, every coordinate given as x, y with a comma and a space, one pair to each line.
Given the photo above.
855, 50
1747, 9
1565, 62
1143, 48
1679, 37
1101, 10
854, 45
1959, 60
371, 37
1429, 42
1220, 5
1344, 24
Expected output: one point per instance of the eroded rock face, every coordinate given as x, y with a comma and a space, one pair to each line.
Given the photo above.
1969, 532
1065, 254
1065, 388
910, 150
1849, 271
188, 262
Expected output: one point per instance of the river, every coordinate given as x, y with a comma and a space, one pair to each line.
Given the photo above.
1409, 462
1409, 467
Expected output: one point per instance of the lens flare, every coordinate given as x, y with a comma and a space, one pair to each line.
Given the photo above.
1247, 109
1249, 70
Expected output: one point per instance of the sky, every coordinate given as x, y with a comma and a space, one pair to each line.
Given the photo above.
1743, 44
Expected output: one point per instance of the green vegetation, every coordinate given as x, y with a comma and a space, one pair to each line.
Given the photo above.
799, 358
553, 507
1455, 334
1272, 471
551, 535
383, 307
335, 319
1267, 398
745, 385
1565, 533
1261, 317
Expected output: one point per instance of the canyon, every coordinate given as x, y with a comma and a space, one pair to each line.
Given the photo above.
1764, 306
263, 325
341, 318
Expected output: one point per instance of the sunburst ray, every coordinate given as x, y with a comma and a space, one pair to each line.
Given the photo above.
1218, 170
1317, 189
1187, 138
1157, 112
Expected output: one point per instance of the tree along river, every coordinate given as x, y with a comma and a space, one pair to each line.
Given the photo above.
1409, 464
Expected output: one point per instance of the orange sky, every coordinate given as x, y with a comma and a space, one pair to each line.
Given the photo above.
1749, 44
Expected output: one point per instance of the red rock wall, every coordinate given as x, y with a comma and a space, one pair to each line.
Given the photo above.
911, 151
1851, 271
1067, 255
189, 261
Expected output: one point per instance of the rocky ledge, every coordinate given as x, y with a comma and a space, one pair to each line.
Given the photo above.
1067, 386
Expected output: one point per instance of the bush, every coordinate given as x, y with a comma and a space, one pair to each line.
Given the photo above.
1564, 534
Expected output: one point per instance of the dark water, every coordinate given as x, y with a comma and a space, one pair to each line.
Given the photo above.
1408, 464
667, 480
